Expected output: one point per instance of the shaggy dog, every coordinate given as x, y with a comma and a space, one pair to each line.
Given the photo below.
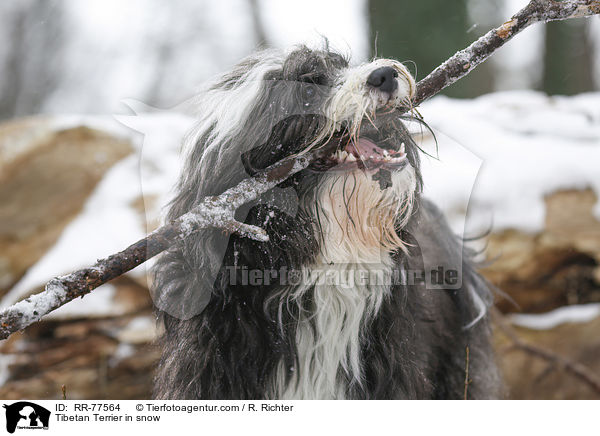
361, 292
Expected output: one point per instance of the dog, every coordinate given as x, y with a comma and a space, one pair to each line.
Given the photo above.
335, 304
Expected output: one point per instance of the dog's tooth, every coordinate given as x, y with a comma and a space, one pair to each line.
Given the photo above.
351, 158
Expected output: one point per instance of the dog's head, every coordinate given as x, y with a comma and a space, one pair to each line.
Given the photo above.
350, 206
272, 106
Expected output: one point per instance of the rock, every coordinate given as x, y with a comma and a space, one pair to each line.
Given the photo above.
98, 346
46, 175
557, 266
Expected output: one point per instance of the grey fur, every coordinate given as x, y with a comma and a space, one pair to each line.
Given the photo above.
227, 340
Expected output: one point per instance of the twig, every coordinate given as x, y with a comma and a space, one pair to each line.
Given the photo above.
467, 381
576, 369
219, 211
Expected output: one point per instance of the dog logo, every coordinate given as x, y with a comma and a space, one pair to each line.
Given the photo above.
26, 415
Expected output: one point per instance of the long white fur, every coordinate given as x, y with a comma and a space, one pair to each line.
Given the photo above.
329, 336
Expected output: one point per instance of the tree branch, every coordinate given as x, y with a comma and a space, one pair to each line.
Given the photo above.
218, 211
464, 61
212, 212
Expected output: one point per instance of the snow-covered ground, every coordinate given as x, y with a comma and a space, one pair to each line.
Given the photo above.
499, 154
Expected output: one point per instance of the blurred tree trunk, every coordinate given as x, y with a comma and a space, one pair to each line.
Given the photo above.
10, 63
568, 61
30, 65
260, 35
427, 32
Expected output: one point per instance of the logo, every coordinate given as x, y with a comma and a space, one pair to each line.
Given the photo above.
26, 415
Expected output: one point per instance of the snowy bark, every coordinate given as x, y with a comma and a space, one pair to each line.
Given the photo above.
218, 211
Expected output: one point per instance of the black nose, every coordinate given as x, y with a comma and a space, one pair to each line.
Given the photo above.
384, 79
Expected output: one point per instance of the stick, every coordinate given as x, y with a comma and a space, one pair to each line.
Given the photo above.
467, 381
219, 211
215, 212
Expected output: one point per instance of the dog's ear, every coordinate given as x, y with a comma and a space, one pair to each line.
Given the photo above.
289, 136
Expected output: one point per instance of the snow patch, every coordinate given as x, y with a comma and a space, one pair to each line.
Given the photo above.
140, 330
6, 360
529, 145
568, 314
122, 352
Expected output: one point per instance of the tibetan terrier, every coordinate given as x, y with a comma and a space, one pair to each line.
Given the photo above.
362, 291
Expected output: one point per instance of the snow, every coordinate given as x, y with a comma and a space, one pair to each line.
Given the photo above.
529, 145
499, 155
580, 313
140, 330
343, 22
122, 352
6, 360
32, 308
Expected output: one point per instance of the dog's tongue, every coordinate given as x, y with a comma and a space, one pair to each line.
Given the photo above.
368, 147
364, 147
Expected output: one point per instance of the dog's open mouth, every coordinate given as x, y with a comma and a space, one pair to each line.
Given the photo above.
365, 153
371, 149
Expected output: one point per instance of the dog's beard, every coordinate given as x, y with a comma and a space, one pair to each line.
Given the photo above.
357, 217
366, 191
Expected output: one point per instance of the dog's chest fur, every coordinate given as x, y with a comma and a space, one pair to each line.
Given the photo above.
329, 337
348, 282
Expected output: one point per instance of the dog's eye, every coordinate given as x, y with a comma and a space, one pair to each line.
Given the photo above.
309, 93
